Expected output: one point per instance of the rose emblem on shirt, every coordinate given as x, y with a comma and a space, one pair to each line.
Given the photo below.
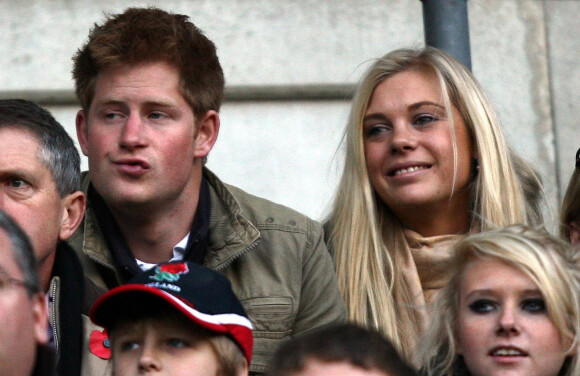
169, 272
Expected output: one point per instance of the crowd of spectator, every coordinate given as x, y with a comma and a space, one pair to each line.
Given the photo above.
434, 259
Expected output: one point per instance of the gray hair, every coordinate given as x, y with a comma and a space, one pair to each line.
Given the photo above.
22, 252
57, 149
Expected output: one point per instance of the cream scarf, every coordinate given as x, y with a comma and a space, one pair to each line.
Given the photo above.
423, 270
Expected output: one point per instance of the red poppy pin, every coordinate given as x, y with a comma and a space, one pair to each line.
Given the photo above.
100, 344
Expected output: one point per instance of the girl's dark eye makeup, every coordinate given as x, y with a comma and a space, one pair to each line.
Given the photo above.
481, 306
534, 305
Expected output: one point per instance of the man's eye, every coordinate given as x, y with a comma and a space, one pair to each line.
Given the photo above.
534, 305
112, 115
156, 115
17, 183
482, 306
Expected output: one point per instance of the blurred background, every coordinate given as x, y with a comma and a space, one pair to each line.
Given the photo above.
289, 68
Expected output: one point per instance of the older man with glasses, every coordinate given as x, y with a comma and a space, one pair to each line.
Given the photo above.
23, 308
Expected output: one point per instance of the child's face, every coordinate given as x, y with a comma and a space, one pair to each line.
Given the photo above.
161, 347
503, 327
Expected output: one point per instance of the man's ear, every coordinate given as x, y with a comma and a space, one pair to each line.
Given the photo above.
39, 315
207, 132
82, 131
574, 229
73, 213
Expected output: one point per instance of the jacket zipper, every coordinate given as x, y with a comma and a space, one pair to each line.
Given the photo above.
53, 302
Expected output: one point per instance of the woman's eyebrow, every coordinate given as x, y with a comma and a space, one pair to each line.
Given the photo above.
375, 116
425, 103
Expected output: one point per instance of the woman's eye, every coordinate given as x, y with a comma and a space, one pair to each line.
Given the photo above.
376, 130
534, 305
424, 119
482, 306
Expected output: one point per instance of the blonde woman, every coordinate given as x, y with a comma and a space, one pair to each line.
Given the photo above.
512, 304
570, 213
426, 163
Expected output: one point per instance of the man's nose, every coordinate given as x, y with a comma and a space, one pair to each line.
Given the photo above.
133, 132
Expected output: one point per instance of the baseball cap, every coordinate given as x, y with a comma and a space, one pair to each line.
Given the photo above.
200, 294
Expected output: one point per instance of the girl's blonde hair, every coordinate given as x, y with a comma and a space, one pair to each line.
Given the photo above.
549, 262
367, 237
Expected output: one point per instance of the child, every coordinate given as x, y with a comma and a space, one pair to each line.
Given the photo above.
177, 318
344, 349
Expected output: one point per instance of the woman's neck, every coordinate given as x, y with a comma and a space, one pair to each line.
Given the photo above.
452, 218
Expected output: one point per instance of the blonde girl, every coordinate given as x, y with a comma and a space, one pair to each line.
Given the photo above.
512, 304
426, 162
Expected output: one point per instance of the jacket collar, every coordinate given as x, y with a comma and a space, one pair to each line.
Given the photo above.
231, 234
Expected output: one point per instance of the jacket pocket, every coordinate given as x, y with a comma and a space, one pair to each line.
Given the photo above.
273, 319
271, 316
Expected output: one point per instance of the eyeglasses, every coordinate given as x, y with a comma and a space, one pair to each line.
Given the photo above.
578, 159
6, 282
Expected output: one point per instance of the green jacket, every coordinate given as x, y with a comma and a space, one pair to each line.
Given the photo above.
275, 258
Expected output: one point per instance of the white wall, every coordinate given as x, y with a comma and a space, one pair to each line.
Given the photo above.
524, 52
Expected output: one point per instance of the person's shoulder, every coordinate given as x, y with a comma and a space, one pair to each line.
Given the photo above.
263, 207
262, 212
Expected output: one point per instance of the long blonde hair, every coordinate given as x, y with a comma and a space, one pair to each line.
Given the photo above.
367, 237
552, 264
